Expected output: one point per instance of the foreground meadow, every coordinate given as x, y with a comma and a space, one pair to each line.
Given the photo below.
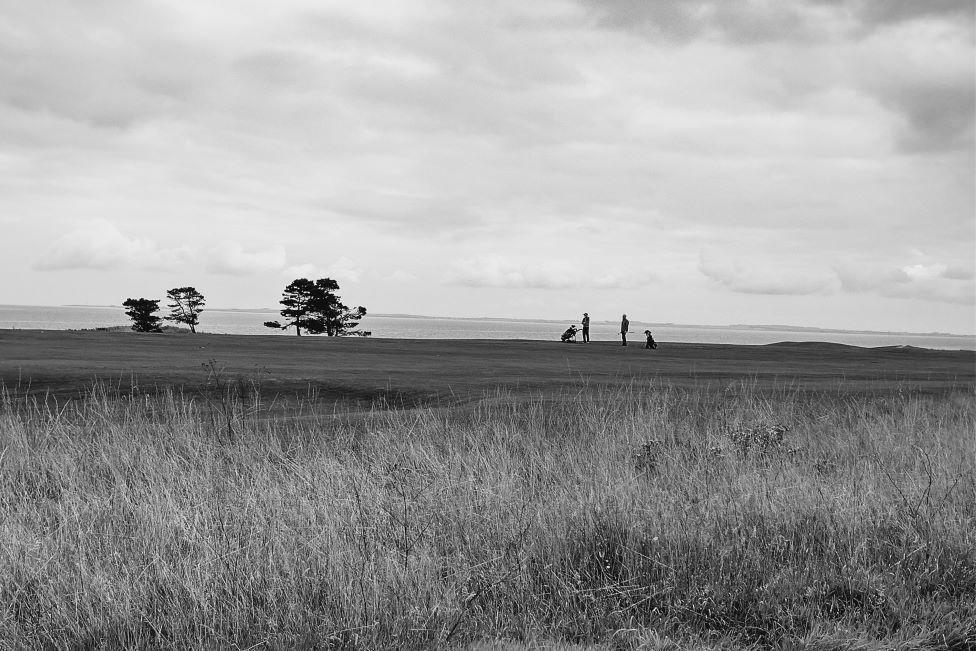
646, 515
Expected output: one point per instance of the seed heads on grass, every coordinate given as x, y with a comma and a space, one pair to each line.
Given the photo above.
760, 440
647, 456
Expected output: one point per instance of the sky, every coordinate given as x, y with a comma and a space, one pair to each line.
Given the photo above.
806, 162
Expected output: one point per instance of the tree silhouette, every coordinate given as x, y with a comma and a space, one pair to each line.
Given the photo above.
141, 311
315, 307
185, 306
296, 300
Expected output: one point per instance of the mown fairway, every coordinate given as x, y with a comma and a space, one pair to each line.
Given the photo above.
411, 371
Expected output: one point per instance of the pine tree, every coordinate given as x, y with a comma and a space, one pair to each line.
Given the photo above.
316, 308
185, 306
141, 311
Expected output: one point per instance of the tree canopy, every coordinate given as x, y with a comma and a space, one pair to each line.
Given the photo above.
314, 306
142, 312
185, 306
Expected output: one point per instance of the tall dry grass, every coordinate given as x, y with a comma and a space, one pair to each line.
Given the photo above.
646, 516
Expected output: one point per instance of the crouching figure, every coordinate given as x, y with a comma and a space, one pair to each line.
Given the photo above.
650, 343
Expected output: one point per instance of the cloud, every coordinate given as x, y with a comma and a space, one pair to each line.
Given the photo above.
933, 282
306, 270
231, 258
758, 21
959, 272
400, 277
99, 244
345, 269
938, 117
914, 58
925, 74
884, 12
682, 21
495, 272
924, 271
342, 269
758, 274
107, 75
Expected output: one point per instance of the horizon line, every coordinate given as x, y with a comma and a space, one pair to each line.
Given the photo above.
666, 324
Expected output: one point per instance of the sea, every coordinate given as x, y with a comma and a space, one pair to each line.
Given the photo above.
251, 322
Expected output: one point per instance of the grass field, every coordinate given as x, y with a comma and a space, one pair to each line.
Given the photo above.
195, 502
418, 371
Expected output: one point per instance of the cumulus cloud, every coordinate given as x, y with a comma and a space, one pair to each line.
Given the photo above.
343, 269
935, 282
925, 271
99, 244
496, 272
760, 274
233, 259
306, 270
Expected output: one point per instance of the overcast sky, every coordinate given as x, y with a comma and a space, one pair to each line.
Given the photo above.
807, 162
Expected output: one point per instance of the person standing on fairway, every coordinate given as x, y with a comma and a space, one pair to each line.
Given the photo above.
586, 327
624, 326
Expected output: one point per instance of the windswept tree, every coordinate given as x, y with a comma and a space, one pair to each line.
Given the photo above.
185, 304
316, 308
297, 300
334, 318
142, 312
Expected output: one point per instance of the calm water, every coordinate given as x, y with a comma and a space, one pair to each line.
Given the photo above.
251, 323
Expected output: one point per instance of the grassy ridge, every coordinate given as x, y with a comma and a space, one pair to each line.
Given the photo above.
643, 514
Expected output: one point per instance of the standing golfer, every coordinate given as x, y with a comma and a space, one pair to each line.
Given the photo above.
624, 327
586, 327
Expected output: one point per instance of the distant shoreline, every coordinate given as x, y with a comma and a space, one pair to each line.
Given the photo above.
652, 324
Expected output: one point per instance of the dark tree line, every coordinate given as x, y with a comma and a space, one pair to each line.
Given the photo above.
185, 305
310, 306
316, 308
